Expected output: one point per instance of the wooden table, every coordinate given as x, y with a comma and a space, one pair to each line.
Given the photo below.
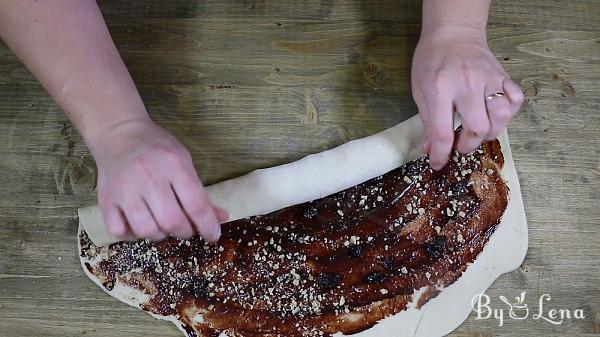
250, 84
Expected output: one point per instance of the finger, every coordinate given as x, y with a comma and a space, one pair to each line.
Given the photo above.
115, 221
499, 113
474, 119
160, 235
514, 94
222, 215
168, 212
140, 220
426, 147
440, 130
419, 98
197, 206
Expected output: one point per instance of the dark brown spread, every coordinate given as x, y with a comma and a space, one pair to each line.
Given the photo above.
336, 264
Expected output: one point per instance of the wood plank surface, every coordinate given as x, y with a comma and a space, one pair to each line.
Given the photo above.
247, 84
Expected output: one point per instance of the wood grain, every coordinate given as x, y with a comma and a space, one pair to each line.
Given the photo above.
250, 84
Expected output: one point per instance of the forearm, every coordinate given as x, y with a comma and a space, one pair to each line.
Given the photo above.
465, 13
66, 45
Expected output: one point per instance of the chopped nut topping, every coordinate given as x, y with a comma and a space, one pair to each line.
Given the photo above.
329, 255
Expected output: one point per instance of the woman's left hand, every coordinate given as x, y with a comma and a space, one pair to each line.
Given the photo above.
454, 70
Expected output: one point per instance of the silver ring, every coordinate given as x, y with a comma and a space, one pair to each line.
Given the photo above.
495, 95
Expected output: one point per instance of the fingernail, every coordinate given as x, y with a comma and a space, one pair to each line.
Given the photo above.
211, 225
426, 145
118, 232
222, 215
216, 232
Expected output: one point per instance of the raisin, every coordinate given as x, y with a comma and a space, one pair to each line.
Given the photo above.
310, 212
389, 263
329, 280
356, 250
460, 187
198, 287
436, 247
375, 277
414, 168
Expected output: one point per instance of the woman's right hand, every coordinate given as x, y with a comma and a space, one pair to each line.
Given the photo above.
148, 186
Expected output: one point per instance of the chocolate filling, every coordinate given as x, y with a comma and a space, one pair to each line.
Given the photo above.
304, 270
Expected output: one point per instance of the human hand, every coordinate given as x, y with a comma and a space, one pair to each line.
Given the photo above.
148, 187
454, 70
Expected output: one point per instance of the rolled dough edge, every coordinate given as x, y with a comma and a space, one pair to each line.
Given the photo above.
317, 175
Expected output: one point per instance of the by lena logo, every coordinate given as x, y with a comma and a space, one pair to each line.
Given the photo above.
519, 310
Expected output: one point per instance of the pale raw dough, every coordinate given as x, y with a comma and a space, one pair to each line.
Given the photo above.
312, 177
318, 175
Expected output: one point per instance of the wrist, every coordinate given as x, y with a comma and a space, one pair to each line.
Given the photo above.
454, 30
110, 129
100, 107
455, 17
